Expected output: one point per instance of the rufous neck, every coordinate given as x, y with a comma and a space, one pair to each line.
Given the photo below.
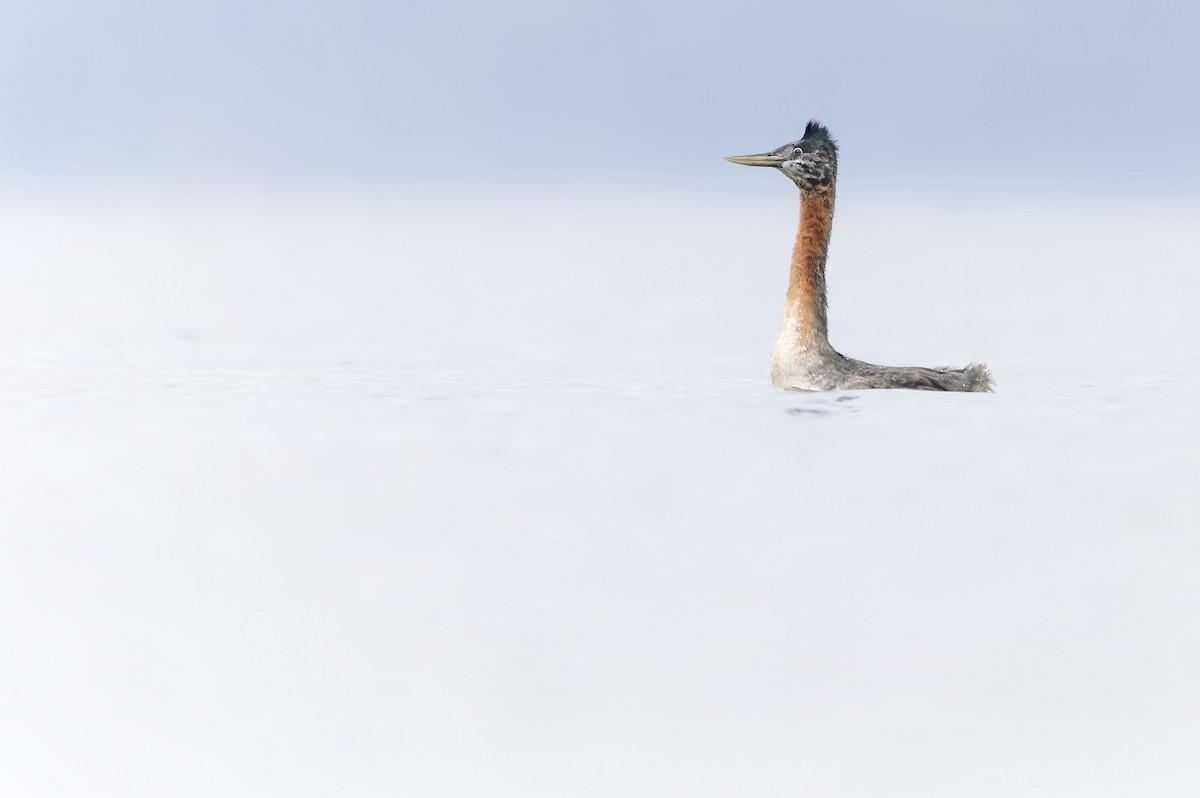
806, 303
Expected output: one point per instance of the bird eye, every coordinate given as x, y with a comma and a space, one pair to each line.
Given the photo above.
797, 152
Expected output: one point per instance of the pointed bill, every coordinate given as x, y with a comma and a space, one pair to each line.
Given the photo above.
756, 160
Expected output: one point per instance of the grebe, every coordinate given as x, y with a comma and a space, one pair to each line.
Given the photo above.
803, 358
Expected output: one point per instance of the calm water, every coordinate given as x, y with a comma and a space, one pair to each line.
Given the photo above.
386, 497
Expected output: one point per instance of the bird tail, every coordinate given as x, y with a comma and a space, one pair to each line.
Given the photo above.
979, 378
975, 378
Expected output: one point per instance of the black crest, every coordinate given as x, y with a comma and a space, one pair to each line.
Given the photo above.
815, 133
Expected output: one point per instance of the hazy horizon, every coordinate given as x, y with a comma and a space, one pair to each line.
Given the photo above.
370, 91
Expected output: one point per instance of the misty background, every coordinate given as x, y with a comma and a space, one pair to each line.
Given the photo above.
385, 92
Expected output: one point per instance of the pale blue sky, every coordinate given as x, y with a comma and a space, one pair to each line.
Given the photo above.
386, 91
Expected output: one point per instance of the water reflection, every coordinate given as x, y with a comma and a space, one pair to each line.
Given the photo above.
825, 405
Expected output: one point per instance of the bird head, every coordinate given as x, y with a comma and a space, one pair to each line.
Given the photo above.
811, 162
